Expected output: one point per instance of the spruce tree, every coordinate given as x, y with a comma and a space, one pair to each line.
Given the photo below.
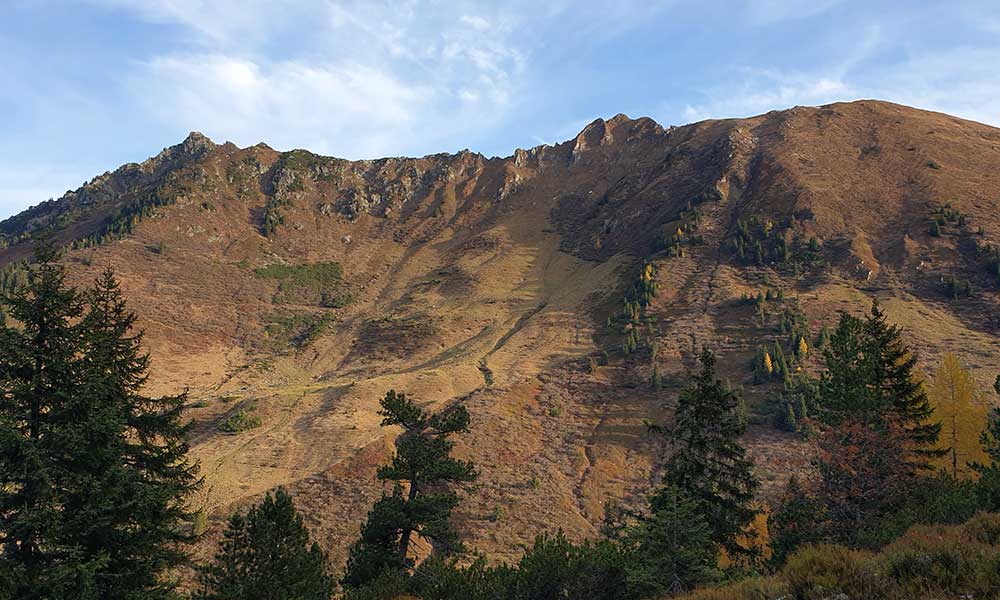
797, 521
267, 555
137, 473
671, 549
870, 377
423, 462
842, 385
39, 370
709, 464
100, 499
891, 367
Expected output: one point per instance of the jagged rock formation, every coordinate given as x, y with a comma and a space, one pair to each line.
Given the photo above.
491, 280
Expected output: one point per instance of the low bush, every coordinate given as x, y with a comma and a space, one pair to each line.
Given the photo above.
240, 421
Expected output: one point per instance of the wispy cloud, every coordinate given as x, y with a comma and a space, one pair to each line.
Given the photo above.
761, 90
369, 77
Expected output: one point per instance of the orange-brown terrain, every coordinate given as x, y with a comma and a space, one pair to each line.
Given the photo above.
491, 280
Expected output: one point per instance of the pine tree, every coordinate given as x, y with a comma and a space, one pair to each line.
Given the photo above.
708, 463
266, 555
424, 463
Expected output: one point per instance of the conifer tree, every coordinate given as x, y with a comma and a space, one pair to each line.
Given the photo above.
958, 402
891, 368
656, 382
803, 348
823, 338
768, 365
797, 521
423, 462
104, 518
671, 549
267, 555
708, 463
39, 369
140, 475
870, 377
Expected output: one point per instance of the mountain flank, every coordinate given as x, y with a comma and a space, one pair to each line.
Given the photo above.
289, 291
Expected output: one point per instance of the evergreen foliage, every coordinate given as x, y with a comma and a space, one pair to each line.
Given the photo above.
93, 475
424, 463
671, 549
708, 463
267, 555
870, 376
795, 523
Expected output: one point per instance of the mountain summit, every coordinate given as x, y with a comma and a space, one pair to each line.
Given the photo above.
289, 291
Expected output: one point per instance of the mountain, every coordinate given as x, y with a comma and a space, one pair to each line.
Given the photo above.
289, 291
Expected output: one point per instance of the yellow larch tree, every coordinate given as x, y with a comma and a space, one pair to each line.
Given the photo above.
960, 405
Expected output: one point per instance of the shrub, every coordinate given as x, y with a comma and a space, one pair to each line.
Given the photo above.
938, 558
823, 570
240, 421
315, 283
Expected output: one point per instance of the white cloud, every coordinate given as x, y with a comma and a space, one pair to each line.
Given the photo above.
363, 78
761, 91
216, 20
288, 104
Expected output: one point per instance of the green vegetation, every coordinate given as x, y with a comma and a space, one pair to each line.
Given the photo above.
266, 553
313, 283
632, 317
708, 464
786, 245
890, 513
94, 476
424, 463
122, 222
928, 561
273, 216
297, 330
239, 421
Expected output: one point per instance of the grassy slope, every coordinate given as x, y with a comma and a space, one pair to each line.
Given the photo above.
490, 280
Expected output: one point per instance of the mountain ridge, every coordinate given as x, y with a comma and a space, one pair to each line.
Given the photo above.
499, 281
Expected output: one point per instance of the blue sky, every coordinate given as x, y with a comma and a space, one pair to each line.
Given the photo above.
91, 84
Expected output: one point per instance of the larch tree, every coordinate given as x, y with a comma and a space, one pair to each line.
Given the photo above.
958, 402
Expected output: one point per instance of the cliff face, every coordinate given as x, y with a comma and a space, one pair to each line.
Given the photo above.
300, 288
